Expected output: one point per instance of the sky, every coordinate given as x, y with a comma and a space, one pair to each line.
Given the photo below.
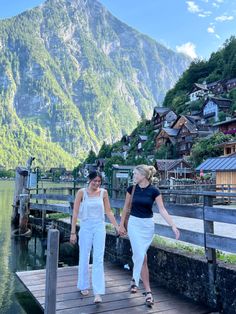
196, 28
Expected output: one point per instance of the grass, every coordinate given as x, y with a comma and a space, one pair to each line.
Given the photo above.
58, 216
185, 248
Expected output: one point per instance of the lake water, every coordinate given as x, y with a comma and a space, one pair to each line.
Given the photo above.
16, 254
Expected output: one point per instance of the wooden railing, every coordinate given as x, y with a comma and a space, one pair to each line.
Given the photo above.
205, 212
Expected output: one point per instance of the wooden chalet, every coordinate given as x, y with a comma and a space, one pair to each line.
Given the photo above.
198, 91
221, 168
215, 88
166, 136
175, 168
163, 117
213, 105
227, 127
229, 148
189, 128
222, 86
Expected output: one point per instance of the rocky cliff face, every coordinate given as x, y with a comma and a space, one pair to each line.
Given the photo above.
74, 75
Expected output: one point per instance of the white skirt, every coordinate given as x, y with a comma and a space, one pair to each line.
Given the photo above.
141, 233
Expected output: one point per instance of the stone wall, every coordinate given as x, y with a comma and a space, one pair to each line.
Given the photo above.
180, 272
183, 273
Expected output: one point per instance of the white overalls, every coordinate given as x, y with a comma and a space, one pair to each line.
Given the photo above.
92, 233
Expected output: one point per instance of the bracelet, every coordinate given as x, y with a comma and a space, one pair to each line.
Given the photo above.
72, 233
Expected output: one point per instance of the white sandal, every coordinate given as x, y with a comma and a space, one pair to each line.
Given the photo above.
97, 299
84, 292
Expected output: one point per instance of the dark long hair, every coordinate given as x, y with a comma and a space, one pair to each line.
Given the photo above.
93, 174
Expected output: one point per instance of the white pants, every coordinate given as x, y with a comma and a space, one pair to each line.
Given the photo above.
140, 232
92, 233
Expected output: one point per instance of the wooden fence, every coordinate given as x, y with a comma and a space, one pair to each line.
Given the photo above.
44, 200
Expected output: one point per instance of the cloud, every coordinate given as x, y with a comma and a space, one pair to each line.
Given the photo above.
211, 29
205, 14
219, 1
224, 18
193, 7
217, 36
188, 48
216, 5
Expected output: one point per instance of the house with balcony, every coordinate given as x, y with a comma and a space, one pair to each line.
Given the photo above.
173, 168
213, 106
166, 136
163, 117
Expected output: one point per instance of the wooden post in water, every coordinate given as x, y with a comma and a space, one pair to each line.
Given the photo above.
20, 185
51, 271
24, 213
21, 198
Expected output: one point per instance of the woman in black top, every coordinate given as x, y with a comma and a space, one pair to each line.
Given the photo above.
141, 224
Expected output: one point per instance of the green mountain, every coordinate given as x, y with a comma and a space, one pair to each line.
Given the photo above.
72, 76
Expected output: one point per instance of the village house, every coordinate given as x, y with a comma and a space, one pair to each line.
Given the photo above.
141, 139
163, 117
173, 168
227, 127
199, 91
189, 128
229, 148
166, 136
222, 169
213, 106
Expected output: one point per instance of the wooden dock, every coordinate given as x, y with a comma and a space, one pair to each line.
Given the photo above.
117, 300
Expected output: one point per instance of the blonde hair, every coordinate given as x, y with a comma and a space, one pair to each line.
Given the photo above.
147, 171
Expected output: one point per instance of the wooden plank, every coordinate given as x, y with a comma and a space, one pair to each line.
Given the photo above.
189, 236
117, 298
197, 193
35, 281
61, 208
117, 203
108, 307
189, 211
51, 271
221, 243
63, 287
56, 197
227, 215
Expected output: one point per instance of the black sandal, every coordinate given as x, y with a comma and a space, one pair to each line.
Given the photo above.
149, 301
133, 287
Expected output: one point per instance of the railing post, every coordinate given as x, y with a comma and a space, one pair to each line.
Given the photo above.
44, 211
51, 271
72, 193
209, 252
117, 214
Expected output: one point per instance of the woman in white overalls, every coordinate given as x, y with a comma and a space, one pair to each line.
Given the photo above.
90, 205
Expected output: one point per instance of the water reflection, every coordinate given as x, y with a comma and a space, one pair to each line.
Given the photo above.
16, 254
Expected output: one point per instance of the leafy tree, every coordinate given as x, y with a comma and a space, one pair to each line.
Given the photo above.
208, 147
91, 157
105, 151
115, 160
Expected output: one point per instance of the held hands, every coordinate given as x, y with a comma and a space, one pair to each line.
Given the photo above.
122, 230
176, 232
